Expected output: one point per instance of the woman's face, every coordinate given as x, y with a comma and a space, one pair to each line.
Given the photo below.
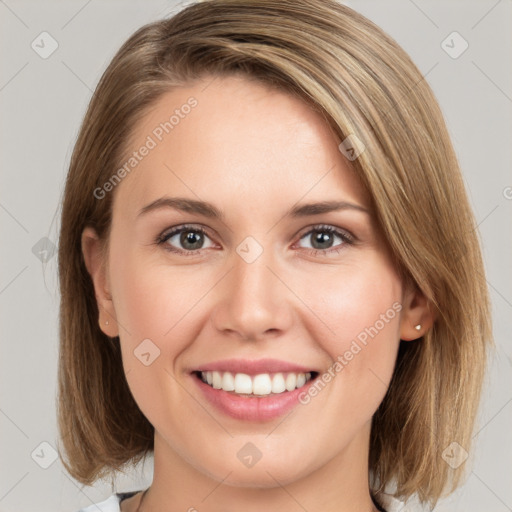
265, 278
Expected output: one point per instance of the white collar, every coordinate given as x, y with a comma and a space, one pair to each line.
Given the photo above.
390, 503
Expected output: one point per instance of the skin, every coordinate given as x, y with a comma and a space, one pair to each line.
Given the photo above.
253, 152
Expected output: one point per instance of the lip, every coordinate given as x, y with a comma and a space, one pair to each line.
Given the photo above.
253, 367
254, 409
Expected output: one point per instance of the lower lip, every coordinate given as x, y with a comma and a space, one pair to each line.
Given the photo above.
252, 408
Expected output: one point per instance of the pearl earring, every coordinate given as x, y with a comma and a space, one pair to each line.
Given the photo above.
418, 327
106, 323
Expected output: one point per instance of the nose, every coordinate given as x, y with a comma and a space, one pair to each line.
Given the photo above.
253, 301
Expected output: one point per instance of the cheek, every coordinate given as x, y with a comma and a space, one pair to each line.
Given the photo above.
151, 298
352, 297
360, 312
154, 305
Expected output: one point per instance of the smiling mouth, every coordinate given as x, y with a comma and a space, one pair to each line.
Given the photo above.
261, 385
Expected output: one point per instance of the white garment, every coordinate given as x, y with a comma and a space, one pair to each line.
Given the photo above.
112, 504
390, 503
109, 505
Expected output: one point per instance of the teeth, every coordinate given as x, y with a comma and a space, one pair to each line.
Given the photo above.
262, 384
291, 382
217, 380
243, 383
228, 382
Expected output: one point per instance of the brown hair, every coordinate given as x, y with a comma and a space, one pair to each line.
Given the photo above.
363, 83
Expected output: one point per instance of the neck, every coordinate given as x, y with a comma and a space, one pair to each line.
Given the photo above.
340, 485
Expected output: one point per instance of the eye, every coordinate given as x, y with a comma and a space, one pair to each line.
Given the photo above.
322, 239
191, 239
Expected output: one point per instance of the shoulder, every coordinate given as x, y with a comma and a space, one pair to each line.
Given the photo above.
111, 504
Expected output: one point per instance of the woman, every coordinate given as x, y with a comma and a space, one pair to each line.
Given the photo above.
269, 269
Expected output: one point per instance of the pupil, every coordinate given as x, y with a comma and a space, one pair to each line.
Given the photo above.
191, 237
322, 237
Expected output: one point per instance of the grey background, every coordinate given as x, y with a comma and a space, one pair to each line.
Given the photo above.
42, 103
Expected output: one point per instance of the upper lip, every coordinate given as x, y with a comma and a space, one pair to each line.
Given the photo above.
253, 367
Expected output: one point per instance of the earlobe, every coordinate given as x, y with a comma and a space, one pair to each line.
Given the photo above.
417, 316
92, 250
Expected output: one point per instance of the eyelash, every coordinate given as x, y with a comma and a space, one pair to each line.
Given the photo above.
345, 236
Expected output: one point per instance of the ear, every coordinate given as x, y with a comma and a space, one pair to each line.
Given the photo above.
95, 262
416, 311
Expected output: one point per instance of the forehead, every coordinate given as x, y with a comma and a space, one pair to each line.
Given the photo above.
228, 139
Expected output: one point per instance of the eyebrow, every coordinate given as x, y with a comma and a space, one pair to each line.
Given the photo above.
211, 211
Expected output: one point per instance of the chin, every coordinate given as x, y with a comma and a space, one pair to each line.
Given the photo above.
267, 472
